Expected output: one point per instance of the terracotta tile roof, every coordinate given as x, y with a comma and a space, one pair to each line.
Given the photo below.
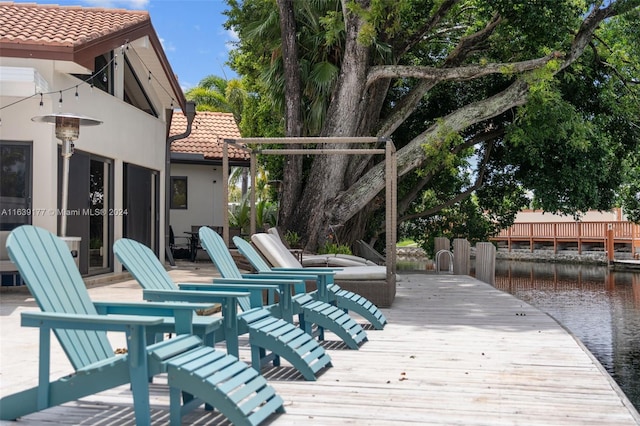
53, 25
78, 34
207, 132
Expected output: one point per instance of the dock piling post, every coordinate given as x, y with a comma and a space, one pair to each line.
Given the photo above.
610, 244
486, 263
461, 256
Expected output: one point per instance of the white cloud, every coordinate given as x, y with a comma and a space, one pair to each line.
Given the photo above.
126, 4
167, 46
232, 39
233, 35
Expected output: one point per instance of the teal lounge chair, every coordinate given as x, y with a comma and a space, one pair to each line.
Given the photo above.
327, 291
200, 373
266, 332
311, 311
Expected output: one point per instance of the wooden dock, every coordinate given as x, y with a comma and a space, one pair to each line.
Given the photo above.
622, 236
456, 351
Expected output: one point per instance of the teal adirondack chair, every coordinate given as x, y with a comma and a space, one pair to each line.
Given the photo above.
311, 311
266, 332
199, 373
327, 291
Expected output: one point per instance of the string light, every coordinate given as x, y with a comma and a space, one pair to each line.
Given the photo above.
150, 75
90, 81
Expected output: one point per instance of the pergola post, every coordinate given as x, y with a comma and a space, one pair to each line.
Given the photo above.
253, 172
225, 192
391, 197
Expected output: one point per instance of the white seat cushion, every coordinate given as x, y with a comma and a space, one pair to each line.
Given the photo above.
279, 256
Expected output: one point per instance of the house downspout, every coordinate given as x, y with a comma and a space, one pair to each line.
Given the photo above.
190, 114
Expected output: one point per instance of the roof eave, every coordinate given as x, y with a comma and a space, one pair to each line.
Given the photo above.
84, 53
166, 66
187, 158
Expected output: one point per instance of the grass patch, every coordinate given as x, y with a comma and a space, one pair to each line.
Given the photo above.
407, 243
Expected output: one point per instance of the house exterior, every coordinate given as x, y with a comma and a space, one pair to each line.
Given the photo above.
530, 215
107, 64
196, 169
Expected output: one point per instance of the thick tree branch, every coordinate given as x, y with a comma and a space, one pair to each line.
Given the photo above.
591, 23
455, 74
419, 35
409, 103
470, 43
413, 154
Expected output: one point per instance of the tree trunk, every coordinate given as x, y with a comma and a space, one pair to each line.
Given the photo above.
292, 170
326, 177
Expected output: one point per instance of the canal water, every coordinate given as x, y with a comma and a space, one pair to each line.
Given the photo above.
600, 307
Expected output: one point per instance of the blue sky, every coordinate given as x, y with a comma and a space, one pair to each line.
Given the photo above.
191, 32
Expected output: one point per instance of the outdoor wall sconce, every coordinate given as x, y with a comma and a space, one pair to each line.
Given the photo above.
67, 130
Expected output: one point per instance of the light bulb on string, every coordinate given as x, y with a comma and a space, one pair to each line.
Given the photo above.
105, 78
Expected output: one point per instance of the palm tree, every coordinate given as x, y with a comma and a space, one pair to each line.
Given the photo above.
215, 93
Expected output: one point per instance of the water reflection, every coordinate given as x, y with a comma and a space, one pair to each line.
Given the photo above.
600, 307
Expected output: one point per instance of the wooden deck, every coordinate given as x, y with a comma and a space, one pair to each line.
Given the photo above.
579, 236
455, 352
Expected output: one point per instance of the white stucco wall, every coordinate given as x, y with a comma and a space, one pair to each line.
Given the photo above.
204, 197
127, 135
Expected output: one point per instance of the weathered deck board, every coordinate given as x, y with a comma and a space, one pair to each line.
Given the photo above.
455, 352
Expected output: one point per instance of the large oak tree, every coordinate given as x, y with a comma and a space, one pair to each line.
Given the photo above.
485, 97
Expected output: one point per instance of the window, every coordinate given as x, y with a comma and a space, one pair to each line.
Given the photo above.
178, 192
15, 185
134, 93
142, 205
102, 77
